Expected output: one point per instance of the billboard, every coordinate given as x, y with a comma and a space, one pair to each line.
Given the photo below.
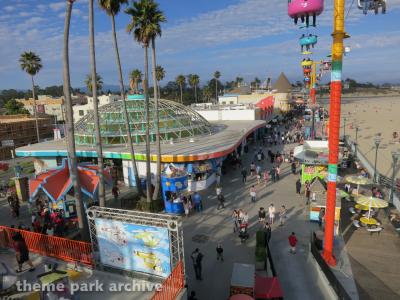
133, 247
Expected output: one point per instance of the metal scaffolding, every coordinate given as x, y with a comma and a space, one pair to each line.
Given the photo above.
176, 121
171, 222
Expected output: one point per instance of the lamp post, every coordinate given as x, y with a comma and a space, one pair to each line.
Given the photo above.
344, 128
377, 142
356, 144
395, 157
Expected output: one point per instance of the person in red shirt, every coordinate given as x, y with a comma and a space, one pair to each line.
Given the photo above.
293, 243
21, 252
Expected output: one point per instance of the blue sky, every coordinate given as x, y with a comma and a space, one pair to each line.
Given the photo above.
245, 38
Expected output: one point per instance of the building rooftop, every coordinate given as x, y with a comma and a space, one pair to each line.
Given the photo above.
7, 119
282, 84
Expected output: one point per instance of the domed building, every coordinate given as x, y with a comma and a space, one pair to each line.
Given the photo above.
192, 148
177, 123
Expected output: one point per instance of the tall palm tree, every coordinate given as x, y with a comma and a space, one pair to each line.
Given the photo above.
257, 82
31, 63
160, 74
112, 8
194, 81
207, 94
135, 78
181, 80
145, 26
100, 163
89, 82
239, 80
217, 75
73, 163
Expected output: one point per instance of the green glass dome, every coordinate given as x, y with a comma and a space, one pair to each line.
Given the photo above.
177, 122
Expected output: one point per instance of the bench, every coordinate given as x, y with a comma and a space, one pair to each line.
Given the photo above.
376, 229
356, 223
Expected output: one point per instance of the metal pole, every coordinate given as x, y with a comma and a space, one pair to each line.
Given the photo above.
344, 128
395, 156
356, 144
376, 158
334, 128
313, 124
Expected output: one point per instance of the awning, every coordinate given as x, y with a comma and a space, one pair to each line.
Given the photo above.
267, 287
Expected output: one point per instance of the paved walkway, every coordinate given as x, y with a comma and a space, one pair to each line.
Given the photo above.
297, 276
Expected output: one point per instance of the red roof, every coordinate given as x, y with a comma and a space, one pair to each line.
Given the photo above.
267, 287
266, 103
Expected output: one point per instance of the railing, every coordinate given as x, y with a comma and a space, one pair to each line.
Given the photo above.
61, 248
334, 282
173, 285
271, 262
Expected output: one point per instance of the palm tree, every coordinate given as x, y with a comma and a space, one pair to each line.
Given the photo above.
217, 75
194, 80
207, 93
135, 78
73, 163
160, 74
89, 82
257, 82
239, 80
112, 8
145, 26
31, 63
95, 88
181, 80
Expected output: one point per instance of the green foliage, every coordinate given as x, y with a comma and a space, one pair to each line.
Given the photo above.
261, 254
30, 62
160, 73
260, 239
15, 108
88, 82
153, 206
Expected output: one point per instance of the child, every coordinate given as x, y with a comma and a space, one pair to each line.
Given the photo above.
293, 243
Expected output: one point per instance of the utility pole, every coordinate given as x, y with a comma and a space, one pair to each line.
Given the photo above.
334, 128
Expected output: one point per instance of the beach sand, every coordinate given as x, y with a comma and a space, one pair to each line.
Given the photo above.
374, 115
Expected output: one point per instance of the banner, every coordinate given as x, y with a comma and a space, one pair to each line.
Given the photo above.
309, 172
134, 247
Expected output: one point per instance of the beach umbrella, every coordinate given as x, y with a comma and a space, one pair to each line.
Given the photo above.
341, 194
359, 180
371, 202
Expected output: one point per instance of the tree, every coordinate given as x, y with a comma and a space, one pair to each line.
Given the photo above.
82, 223
97, 84
160, 74
207, 94
256, 82
194, 81
89, 83
145, 26
31, 63
217, 75
238, 81
181, 81
112, 8
15, 108
135, 78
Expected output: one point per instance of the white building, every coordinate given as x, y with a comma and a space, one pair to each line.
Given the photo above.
46, 105
81, 110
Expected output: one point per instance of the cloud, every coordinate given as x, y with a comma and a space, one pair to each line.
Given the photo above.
57, 6
9, 8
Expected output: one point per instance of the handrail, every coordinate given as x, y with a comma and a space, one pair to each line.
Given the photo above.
173, 285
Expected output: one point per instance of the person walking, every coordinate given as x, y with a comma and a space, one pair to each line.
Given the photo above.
115, 192
321, 217
220, 252
271, 213
186, 206
293, 166
273, 174
235, 219
21, 252
292, 242
198, 205
261, 216
266, 177
267, 232
252, 168
221, 201
277, 172
298, 186
244, 175
218, 190
197, 258
192, 296
307, 191
253, 193
282, 215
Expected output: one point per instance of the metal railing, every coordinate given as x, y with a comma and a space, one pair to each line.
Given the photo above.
173, 285
334, 282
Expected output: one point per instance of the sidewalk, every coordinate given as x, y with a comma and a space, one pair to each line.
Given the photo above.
295, 273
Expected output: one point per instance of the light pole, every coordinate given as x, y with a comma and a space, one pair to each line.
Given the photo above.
344, 128
395, 157
377, 142
356, 143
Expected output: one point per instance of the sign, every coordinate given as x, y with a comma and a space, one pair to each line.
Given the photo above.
308, 173
134, 247
7, 143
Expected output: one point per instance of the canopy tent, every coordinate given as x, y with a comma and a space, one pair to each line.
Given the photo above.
267, 288
57, 183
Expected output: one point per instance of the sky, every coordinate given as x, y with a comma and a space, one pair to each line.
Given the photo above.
246, 38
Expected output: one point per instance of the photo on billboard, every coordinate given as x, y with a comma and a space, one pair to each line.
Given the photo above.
133, 247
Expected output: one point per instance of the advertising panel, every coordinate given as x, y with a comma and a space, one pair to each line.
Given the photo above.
134, 247
309, 172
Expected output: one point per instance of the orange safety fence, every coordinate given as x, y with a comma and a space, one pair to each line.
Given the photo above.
46, 245
173, 285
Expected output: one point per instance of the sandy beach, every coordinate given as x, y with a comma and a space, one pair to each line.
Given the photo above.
374, 115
